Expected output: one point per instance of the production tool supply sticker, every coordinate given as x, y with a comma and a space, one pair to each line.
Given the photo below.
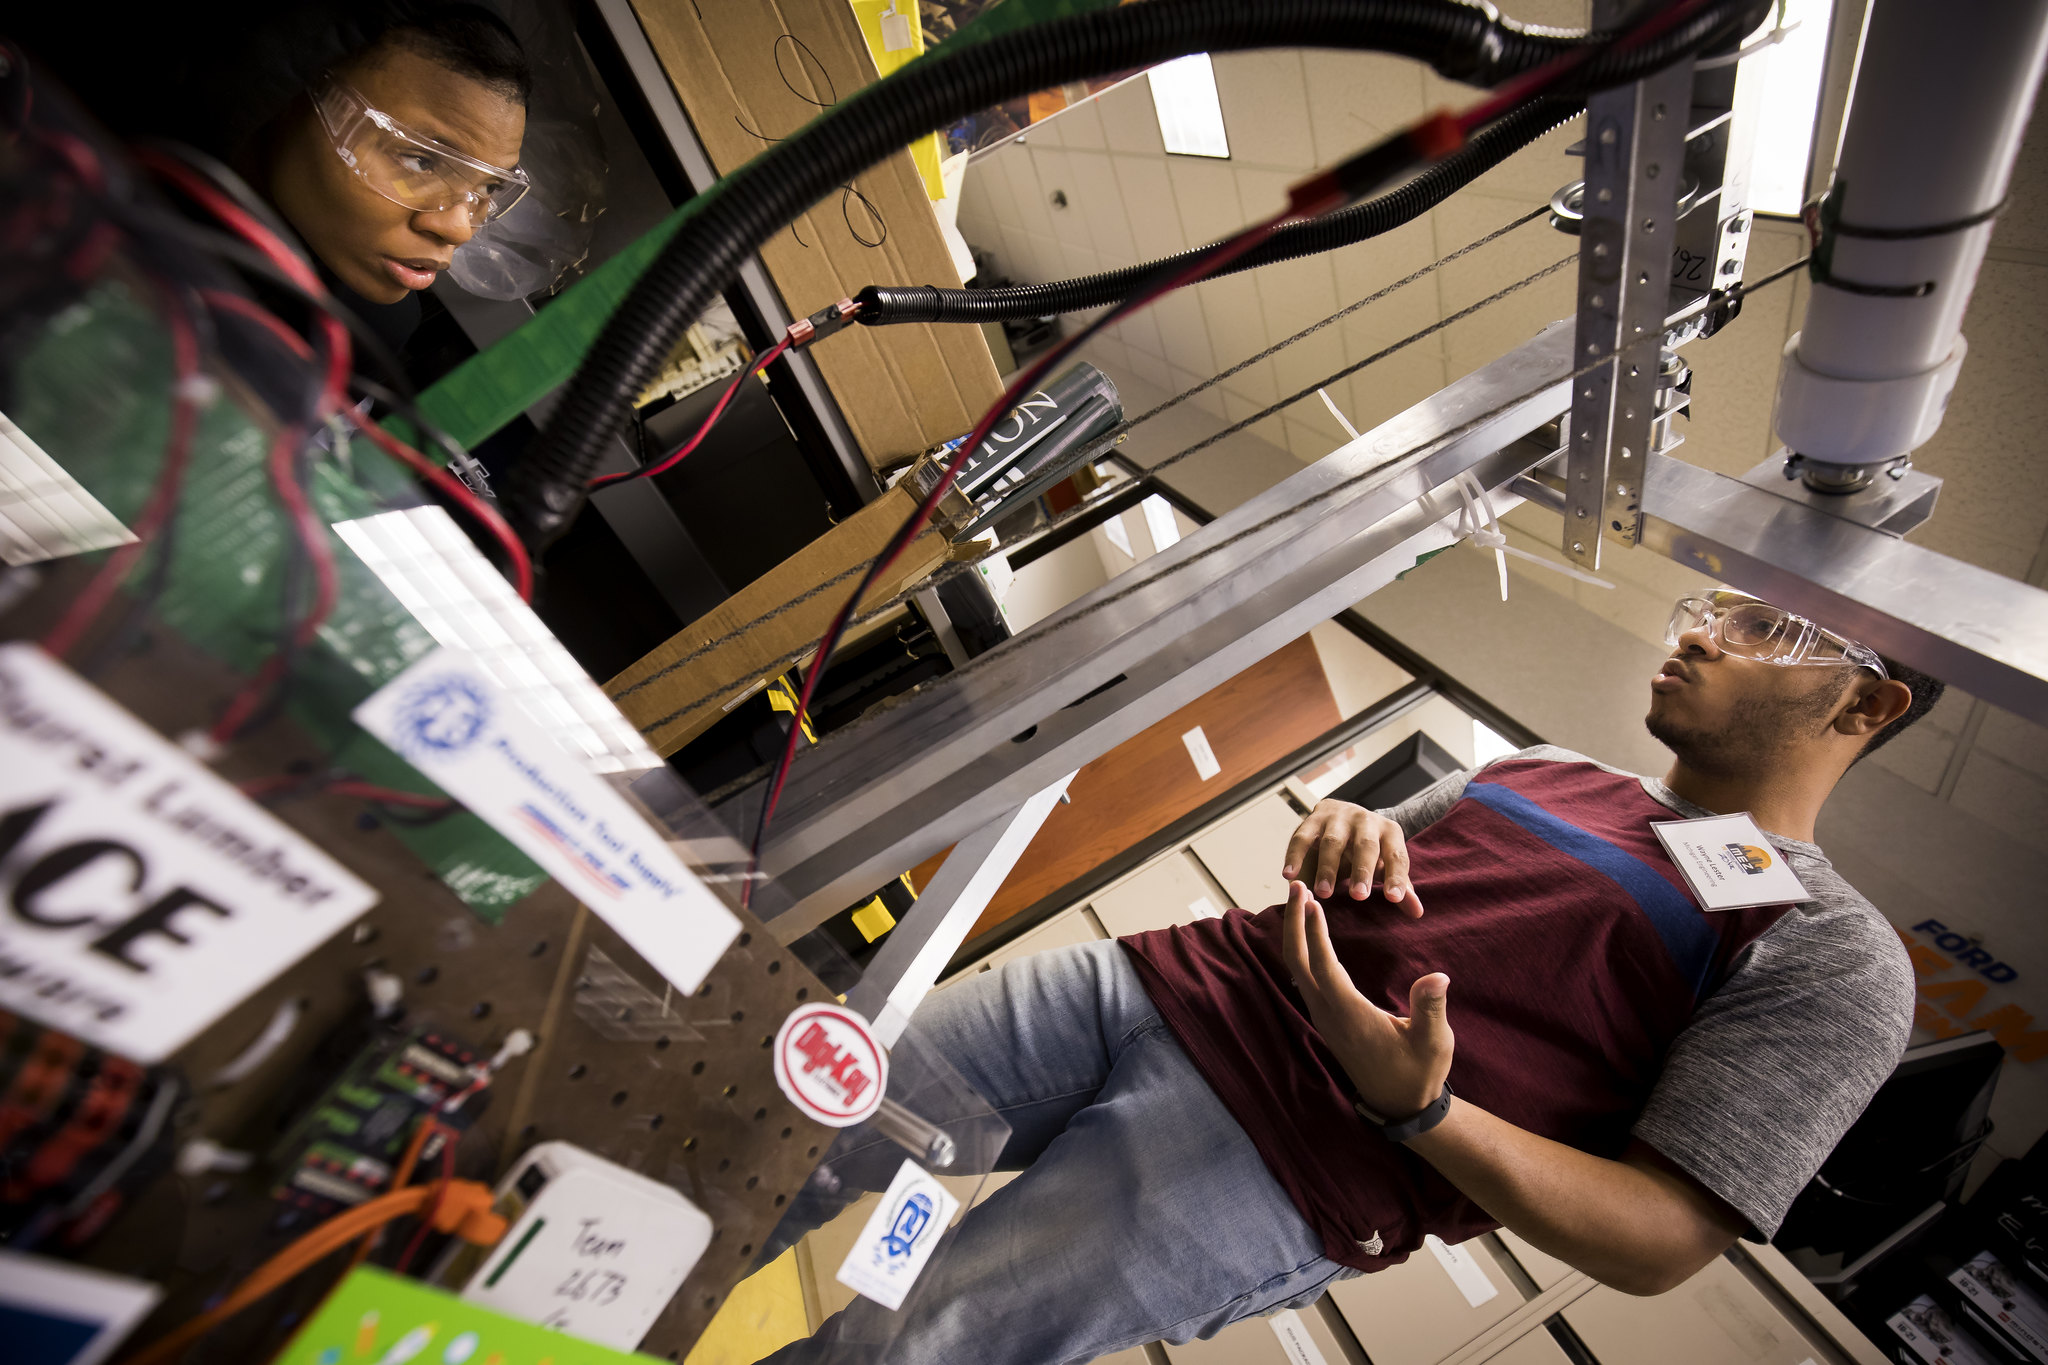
144, 896
447, 718
898, 1237
828, 1062
1729, 864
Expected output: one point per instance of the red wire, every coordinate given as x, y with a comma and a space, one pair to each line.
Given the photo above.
312, 533
390, 796
419, 1234
760, 363
460, 492
227, 302
246, 226
86, 607
1221, 255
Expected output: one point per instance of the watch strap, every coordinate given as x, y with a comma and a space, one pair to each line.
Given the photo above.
1412, 1127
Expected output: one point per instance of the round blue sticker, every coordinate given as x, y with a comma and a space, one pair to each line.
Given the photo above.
442, 715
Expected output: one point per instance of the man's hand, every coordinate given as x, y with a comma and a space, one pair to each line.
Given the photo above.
1340, 844
1398, 1065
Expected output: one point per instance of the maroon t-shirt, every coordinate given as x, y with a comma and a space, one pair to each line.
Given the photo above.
1576, 955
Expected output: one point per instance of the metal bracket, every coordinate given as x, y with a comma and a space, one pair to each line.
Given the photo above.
1635, 153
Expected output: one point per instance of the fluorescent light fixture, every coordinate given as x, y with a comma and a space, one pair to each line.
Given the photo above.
452, 590
1159, 521
44, 512
1190, 115
1790, 73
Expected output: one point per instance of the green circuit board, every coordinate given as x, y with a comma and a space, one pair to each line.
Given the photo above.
92, 390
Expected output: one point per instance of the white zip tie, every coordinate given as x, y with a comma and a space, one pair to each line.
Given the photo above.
1348, 428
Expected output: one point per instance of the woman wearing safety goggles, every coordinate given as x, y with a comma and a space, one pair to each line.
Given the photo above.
402, 152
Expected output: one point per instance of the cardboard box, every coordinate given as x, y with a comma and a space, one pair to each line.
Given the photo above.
672, 702
750, 74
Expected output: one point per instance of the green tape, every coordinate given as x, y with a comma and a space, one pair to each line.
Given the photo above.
518, 1248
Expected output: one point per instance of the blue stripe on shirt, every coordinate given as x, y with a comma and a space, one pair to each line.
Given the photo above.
1678, 922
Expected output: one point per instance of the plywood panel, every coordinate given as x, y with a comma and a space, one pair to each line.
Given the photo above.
1147, 782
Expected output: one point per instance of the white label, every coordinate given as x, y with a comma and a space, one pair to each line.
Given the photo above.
895, 32
2014, 1307
828, 1062
146, 896
1933, 1335
1206, 765
898, 1238
1464, 1269
597, 1254
89, 1311
447, 718
1295, 1341
1728, 862
1201, 907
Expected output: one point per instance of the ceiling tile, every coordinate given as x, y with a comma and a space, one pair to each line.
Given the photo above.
1014, 161
1056, 178
1081, 125
1149, 368
1265, 108
1185, 333
1129, 122
1149, 205
1206, 192
1237, 328
1261, 190
1357, 98
1096, 196
1295, 294
1141, 330
1307, 362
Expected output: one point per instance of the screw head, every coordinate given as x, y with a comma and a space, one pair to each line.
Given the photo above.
1578, 547
1607, 137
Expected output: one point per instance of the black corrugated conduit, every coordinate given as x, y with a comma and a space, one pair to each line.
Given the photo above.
883, 304
545, 490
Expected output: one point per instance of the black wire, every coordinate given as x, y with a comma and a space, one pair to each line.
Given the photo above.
409, 410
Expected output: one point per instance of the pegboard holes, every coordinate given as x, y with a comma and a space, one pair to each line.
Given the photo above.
752, 1181
363, 933
426, 976
803, 992
725, 1163
739, 1016
480, 1010
654, 1123
767, 1040
780, 1200
731, 1090
775, 966
578, 1072
704, 989
812, 1152
747, 1249
618, 1098
745, 939
697, 1068
711, 1300
661, 1043
760, 1114
689, 1144
539, 949
787, 1132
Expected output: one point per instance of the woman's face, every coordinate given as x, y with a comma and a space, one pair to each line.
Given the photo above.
378, 248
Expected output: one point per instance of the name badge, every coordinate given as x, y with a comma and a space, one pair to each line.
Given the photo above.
1729, 864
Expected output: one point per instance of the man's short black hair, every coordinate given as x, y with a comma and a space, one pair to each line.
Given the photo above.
1926, 689
471, 41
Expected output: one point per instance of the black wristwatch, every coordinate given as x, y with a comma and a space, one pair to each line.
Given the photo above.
1410, 1127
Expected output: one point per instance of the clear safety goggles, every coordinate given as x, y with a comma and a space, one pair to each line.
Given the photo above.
408, 168
1750, 629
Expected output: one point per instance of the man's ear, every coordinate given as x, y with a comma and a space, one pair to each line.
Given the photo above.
1873, 706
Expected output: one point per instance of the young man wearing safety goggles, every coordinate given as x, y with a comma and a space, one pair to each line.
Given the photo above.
1217, 1120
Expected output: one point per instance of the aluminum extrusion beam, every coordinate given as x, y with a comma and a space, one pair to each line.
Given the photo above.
907, 965
948, 758
1635, 157
1986, 634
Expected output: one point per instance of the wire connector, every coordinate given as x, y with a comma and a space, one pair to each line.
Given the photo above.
822, 323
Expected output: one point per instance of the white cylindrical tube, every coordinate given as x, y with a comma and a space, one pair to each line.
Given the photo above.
1941, 100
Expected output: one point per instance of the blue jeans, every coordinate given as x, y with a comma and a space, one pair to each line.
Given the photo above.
1143, 1214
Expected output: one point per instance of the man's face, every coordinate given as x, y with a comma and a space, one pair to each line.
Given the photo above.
379, 249
1723, 714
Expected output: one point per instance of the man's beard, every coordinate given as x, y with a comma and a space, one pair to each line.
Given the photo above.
1753, 737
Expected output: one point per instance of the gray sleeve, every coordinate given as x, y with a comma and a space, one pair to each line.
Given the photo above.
1777, 1064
